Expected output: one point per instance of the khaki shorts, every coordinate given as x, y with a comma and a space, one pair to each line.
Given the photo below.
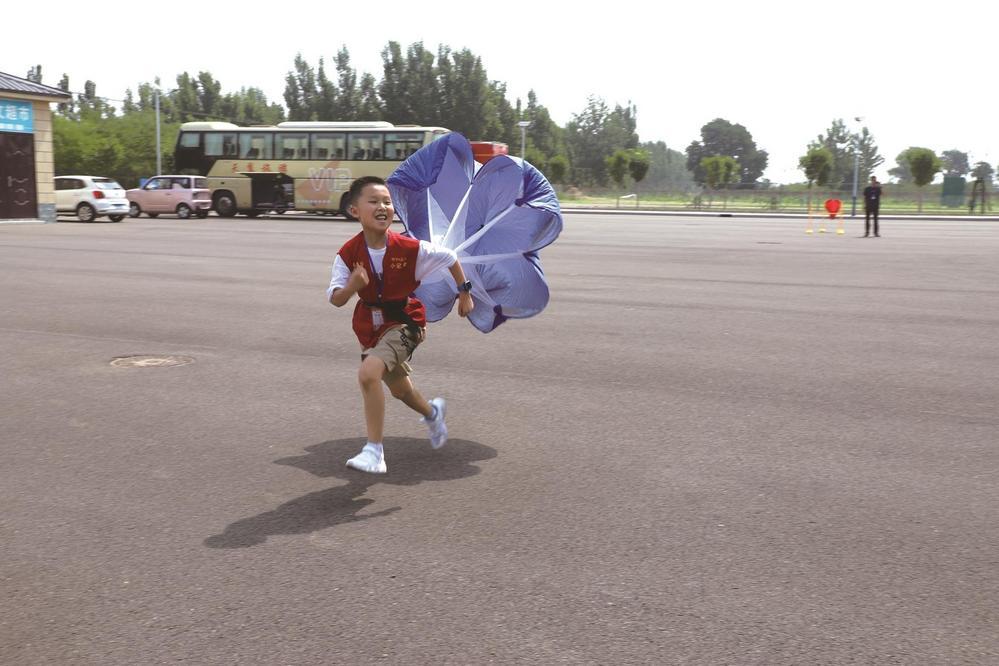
395, 348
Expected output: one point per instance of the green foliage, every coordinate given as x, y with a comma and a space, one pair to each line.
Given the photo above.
667, 169
870, 157
557, 169
721, 137
923, 165
817, 165
638, 164
983, 171
595, 133
954, 162
617, 166
719, 171
123, 148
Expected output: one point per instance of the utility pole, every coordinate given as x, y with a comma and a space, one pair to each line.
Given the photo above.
159, 159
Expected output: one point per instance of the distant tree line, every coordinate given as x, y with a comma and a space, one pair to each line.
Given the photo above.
598, 147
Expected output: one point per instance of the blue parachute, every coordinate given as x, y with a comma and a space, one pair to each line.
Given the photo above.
496, 217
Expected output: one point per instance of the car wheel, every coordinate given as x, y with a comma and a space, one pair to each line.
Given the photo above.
134, 210
86, 213
116, 218
225, 204
183, 211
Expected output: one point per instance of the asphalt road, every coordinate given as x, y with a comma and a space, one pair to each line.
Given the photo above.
724, 442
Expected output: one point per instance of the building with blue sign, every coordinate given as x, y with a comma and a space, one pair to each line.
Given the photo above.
27, 189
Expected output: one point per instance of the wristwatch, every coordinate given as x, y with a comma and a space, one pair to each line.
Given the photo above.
465, 286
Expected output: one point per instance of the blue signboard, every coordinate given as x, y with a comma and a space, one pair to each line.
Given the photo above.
16, 116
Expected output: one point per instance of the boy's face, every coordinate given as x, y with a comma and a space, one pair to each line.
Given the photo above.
374, 208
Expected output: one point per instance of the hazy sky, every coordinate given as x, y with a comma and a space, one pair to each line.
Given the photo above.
919, 73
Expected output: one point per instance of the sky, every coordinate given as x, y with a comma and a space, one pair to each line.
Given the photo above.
918, 73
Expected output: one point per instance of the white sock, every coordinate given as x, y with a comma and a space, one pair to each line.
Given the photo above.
376, 448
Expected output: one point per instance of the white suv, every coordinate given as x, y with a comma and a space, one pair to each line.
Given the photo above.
90, 197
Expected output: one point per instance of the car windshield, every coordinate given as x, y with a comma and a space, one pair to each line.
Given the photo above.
201, 183
107, 184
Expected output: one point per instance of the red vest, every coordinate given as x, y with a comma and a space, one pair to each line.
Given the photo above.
398, 283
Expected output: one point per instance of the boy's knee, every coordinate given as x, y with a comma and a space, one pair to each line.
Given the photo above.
370, 374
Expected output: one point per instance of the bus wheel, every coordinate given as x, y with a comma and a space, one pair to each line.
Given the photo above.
345, 207
225, 204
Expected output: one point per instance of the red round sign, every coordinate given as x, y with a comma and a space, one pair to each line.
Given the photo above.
833, 205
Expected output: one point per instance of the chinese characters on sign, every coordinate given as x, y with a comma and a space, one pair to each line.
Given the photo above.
16, 116
252, 168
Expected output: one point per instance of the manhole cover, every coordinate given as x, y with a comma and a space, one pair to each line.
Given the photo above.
150, 361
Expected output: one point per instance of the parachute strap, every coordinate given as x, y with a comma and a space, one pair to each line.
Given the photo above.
486, 227
396, 311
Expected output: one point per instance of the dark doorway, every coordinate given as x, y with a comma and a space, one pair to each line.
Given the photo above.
17, 176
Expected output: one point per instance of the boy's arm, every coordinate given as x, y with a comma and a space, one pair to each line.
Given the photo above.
357, 281
465, 303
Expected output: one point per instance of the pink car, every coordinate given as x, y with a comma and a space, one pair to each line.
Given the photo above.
183, 195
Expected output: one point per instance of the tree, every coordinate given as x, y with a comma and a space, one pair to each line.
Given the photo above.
954, 162
924, 165
301, 91
35, 74
617, 167
638, 167
870, 159
667, 169
817, 165
900, 172
595, 133
841, 145
348, 97
558, 169
721, 137
720, 171
983, 171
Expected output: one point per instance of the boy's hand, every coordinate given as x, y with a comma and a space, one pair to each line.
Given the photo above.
358, 277
465, 303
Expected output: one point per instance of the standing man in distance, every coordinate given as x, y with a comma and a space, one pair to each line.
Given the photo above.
872, 204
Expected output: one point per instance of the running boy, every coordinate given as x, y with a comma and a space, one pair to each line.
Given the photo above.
384, 268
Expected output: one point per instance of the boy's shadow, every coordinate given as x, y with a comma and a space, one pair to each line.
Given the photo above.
411, 461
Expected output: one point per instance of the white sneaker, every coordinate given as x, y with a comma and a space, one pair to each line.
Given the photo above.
368, 460
438, 429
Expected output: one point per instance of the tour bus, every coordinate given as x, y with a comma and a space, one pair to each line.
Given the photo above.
295, 165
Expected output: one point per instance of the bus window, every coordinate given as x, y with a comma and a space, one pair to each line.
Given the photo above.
292, 146
190, 140
367, 146
400, 145
328, 146
255, 145
220, 144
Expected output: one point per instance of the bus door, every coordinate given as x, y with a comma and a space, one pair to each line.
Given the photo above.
270, 191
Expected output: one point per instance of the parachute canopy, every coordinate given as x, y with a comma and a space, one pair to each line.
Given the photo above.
496, 217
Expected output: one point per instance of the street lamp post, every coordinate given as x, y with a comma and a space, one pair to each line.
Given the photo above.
856, 168
159, 159
523, 125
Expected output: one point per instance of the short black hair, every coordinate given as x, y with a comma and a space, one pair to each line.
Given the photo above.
358, 185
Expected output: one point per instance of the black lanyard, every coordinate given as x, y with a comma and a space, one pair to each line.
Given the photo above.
371, 262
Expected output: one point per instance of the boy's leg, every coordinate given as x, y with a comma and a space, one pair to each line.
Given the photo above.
402, 389
433, 411
370, 379
371, 459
